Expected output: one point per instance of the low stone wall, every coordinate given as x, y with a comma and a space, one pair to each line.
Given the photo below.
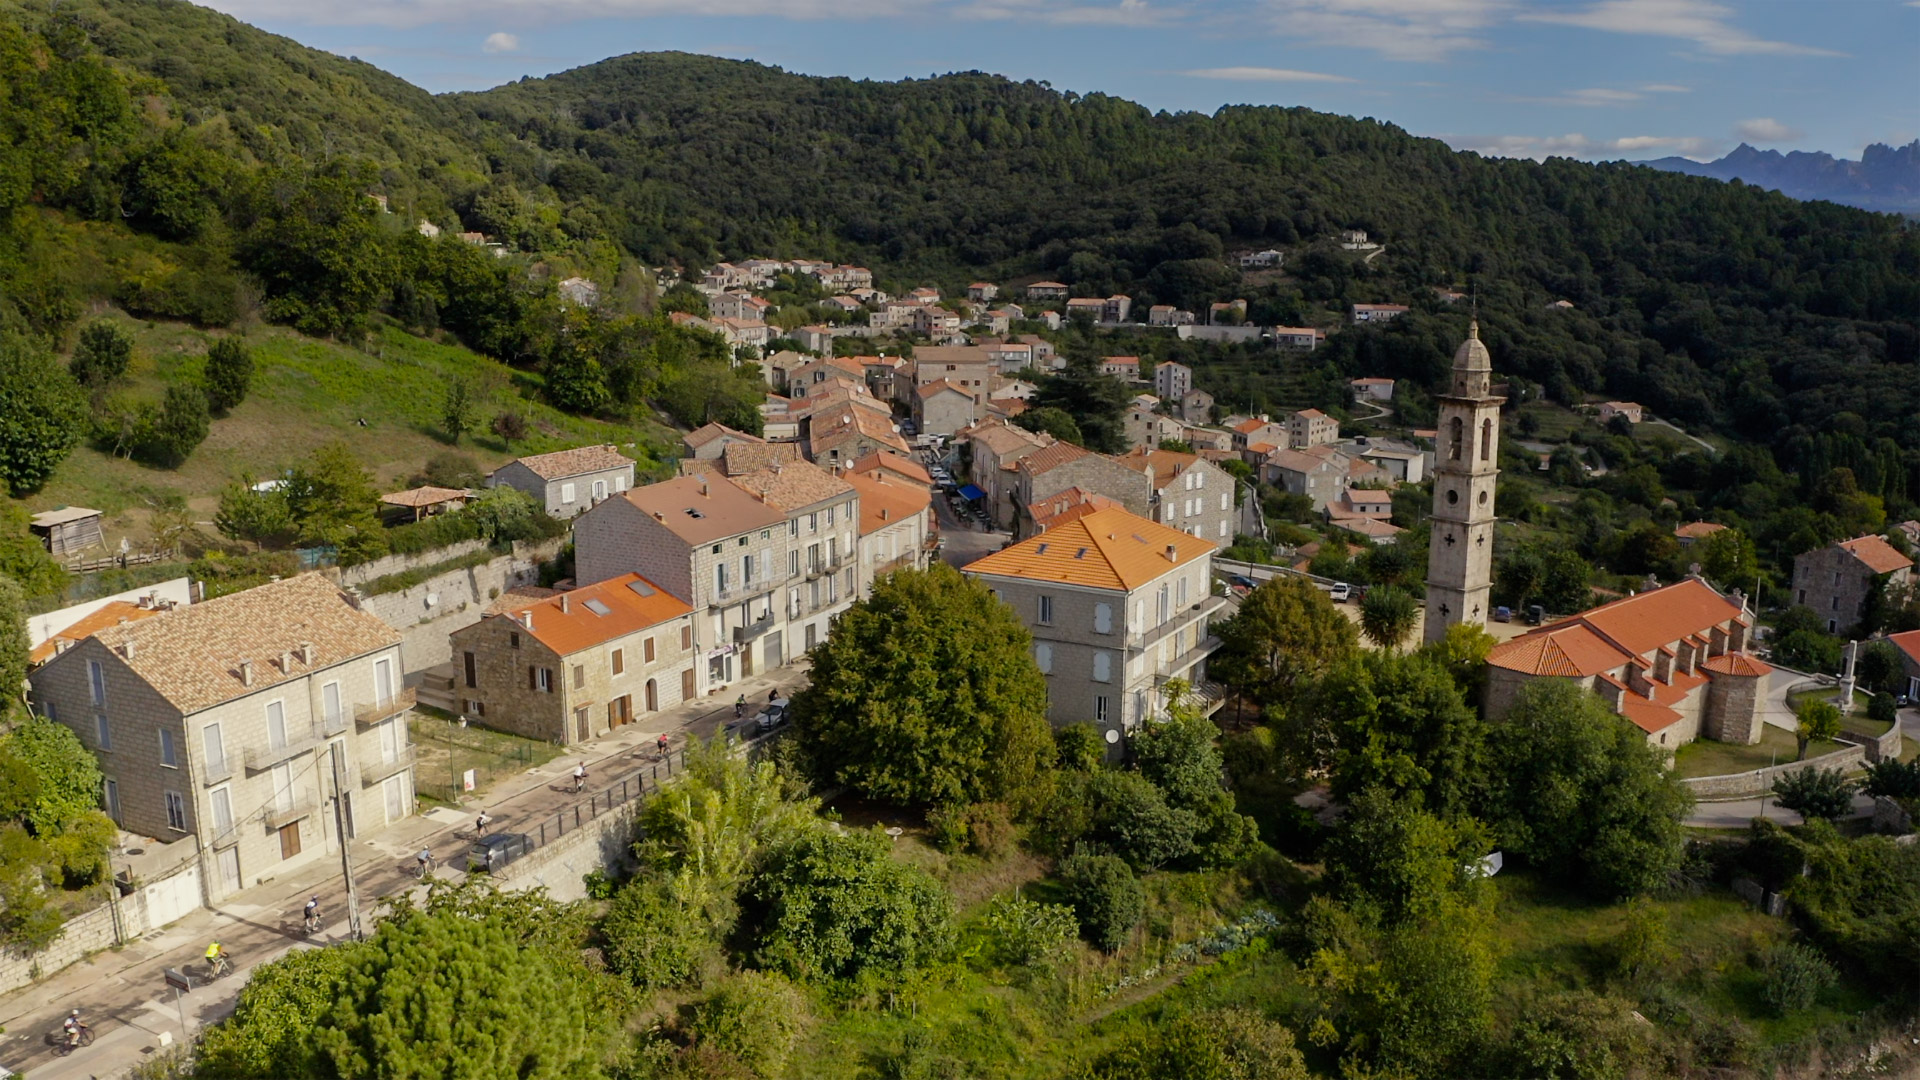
1881, 748
394, 564
425, 614
110, 924
1760, 781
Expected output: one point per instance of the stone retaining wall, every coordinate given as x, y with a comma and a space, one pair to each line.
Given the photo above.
425, 614
1882, 748
1760, 781
104, 927
394, 564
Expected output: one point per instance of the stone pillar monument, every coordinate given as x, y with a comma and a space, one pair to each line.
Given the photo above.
1846, 680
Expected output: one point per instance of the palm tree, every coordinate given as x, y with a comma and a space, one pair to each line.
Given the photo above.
1387, 615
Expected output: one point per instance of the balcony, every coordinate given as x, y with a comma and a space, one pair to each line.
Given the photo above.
738, 591
369, 715
333, 725
1200, 611
373, 772
262, 758
300, 806
217, 771
744, 634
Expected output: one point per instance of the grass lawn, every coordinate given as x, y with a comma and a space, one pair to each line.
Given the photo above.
1706, 757
307, 392
445, 751
1856, 722
1551, 423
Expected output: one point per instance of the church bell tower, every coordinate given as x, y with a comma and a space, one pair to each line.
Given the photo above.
1466, 463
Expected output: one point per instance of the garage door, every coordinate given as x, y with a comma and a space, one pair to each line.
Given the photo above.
173, 897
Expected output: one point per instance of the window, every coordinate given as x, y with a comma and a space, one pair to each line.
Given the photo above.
390, 741
793, 563
1100, 709
1223, 530
720, 578
222, 802
216, 750
1456, 434
1165, 604
619, 483
110, 788
1183, 592
619, 661
1102, 667
579, 676
97, 682
646, 650
330, 703
599, 490
283, 787
1043, 657
176, 811
103, 733
1226, 500
168, 756
1486, 447
276, 724
382, 681
513, 641
1046, 610
1199, 479
539, 679
566, 494
686, 636
830, 517
1103, 618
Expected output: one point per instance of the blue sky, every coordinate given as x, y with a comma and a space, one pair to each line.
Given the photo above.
1583, 78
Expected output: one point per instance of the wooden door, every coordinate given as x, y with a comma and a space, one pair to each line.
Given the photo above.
686, 685
229, 863
290, 840
653, 695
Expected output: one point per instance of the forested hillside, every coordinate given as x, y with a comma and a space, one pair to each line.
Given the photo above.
1717, 304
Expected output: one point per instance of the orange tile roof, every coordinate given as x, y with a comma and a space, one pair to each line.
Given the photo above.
1107, 549
1248, 427
111, 615
706, 433
939, 386
1069, 505
1650, 717
881, 461
580, 459
1878, 555
519, 598
747, 457
1639, 624
1166, 464
1742, 664
1566, 649
1908, 643
569, 622
885, 502
1694, 530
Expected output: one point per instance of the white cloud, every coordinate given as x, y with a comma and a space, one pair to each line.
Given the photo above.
407, 13
1701, 21
1580, 146
1397, 29
500, 43
1121, 13
1766, 129
1669, 88
1264, 74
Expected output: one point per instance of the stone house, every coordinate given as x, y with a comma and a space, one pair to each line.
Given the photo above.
1063, 465
941, 408
844, 430
1256, 429
821, 512
568, 482
710, 544
1124, 368
982, 292
1146, 429
1372, 389
896, 524
575, 666
894, 467
712, 440
1190, 493
1837, 581
1311, 427
1320, 477
1118, 605
239, 722
991, 449
1671, 660
1299, 338
1632, 410
1046, 290
1194, 406
1064, 506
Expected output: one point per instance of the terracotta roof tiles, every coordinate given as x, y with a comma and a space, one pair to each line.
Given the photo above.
111, 615
1878, 555
568, 622
580, 459
1106, 549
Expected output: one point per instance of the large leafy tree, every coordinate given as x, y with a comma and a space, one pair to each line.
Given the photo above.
1577, 791
229, 374
1402, 862
927, 692
835, 904
1285, 635
23, 557
1387, 616
313, 237
332, 500
42, 414
1399, 721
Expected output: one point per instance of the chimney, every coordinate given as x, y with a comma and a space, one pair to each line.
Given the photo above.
658, 516
246, 673
61, 645
883, 513
703, 488
565, 607
286, 663
526, 618
1173, 553
126, 649
306, 653
121, 621
146, 602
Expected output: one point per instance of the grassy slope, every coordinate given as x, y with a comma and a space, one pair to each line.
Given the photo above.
307, 392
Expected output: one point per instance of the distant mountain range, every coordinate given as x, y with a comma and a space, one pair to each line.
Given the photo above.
1885, 177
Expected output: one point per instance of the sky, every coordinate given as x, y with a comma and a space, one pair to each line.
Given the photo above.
1594, 79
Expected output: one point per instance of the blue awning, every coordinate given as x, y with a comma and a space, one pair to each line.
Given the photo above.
971, 492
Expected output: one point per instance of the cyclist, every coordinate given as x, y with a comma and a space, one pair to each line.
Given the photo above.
73, 1026
216, 959
425, 858
663, 743
312, 920
480, 823
740, 707
579, 777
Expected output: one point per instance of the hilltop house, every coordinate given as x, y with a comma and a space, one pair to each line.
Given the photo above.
1838, 580
1375, 313
567, 482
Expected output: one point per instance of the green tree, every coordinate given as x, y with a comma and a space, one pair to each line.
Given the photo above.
1894, 779
927, 692
1222, 1044
1078, 748
261, 517
1053, 421
1403, 862
44, 415
754, 1017
15, 645
1576, 1035
833, 905
69, 777
23, 557
282, 1002
456, 410
1105, 897
1285, 634
332, 500
654, 939
1095, 402
182, 423
1578, 792
1815, 793
510, 426
1387, 616
29, 918
1398, 721
1817, 721
314, 239
103, 354
1727, 557
229, 374
1131, 818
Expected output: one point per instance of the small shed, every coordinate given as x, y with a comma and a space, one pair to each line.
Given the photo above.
68, 529
424, 502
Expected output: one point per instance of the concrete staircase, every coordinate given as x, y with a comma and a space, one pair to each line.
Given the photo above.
436, 688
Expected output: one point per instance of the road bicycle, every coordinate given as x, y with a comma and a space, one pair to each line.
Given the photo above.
67, 1045
218, 967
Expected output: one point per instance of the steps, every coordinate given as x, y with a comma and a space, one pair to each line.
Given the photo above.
436, 688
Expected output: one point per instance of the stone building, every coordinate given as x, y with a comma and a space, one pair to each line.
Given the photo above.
1836, 581
1063, 465
1172, 380
568, 482
990, 450
575, 666
1118, 606
1460, 553
239, 722
1909, 646
896, 524
1190, 493
1671, 660
1311, 427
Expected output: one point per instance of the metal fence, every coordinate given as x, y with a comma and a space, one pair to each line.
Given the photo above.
630, 786
487, 755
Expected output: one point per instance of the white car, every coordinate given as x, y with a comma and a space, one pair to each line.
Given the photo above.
1339, 592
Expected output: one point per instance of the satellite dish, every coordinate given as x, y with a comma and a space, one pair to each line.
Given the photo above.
1113, 735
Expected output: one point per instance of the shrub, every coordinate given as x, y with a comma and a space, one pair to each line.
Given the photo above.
833, 905
947, 824
1894, 779
1577, 1035
1642, 945
1105, 896
229, 374
1815, 793
652, 939
510, 426
102, 356
180, 425
754, 1017
1078, 747
1025, 932
1131, 818
990, 830
1796, 974
1881, 707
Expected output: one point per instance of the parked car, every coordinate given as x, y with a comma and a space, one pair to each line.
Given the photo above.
1340, 592
1536, 615
1240, 581
1503, 614
490, 853
773, 715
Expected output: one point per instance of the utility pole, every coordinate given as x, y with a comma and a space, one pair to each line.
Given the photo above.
341, 831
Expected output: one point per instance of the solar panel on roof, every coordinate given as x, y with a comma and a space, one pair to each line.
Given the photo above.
598, 607
640, 587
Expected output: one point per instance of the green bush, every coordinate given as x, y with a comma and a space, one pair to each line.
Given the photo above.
1894, 779
1796, 975
1815, 793
1079, 748
836, 904
990, 831
1578, 1035
229, 374
1105, 896
1024, 932
754, 1017
947, 826
103, 354
652, 939
1881, 707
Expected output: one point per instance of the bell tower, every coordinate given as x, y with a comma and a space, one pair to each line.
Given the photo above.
1466, 463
